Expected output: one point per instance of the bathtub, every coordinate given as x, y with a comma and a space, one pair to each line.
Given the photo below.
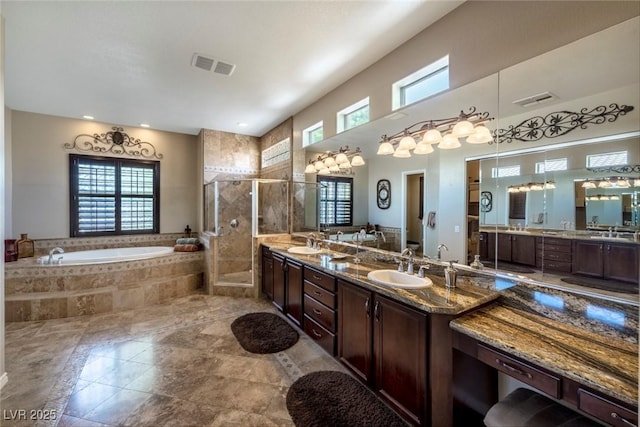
102, 256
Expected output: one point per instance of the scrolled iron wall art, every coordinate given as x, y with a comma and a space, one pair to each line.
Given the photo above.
559, 123
616, 169
115, 141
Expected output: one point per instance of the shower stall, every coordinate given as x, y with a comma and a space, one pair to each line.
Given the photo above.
235, 212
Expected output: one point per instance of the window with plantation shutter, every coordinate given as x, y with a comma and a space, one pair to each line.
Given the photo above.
113, 196
335, 201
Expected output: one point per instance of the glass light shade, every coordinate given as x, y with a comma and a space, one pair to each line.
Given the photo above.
636, 182
310, 169
324, 171
480, 135
342, 158
623, 183
513, 190
357, 160
345, 165
423, 148
604, 184
588, 184
329, 161
385, 148
550, 185
603, 197
449, 142
462, 129
319, 165
407, 143
524, 188
614, 197
402, 154
537, 187
334, 168
432, 136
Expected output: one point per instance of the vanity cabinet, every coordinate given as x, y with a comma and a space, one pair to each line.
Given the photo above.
556, 254
287, 287
384, 343
602, 259
507, 247
320, 317
267, 273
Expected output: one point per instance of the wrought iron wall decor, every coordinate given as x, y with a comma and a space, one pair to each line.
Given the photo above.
616, 169
114, 141
559, 123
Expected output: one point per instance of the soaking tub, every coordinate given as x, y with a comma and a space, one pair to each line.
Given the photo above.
101, 256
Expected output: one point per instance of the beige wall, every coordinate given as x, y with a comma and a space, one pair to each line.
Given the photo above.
40, 187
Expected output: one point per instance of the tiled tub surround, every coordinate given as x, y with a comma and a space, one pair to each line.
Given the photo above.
37, 292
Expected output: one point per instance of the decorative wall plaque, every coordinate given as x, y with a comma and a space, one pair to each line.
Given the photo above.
116, 141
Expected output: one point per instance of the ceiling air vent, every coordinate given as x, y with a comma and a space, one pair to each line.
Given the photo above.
208, 63
535, 99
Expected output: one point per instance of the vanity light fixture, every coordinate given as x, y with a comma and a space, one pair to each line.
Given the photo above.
532, 186
612, 182
447, 133
335, 161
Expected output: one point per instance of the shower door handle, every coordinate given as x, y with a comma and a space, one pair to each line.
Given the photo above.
234, 223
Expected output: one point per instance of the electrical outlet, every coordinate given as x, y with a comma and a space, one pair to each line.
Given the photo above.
456, 229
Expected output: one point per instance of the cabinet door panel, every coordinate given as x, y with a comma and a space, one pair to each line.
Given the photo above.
278, 282
621, 262
354, 329
400, 336
523, 250
294, 292
267, 277
588, 258
504, 247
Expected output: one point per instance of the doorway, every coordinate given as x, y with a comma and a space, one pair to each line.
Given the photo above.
413, 227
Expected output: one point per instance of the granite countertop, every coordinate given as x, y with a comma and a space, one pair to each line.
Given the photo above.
568, 234
592, 341
471, 292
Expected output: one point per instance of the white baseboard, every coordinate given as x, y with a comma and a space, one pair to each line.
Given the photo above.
3, 380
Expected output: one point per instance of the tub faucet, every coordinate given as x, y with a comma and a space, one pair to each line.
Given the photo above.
440, 247
53, 251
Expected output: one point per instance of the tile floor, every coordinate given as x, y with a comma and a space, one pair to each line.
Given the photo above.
173, 365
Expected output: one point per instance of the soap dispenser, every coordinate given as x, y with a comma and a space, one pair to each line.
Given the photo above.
450, 276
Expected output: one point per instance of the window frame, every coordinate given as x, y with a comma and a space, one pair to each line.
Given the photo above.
306, 133
118, 163
343, 115
398, 89
321, 180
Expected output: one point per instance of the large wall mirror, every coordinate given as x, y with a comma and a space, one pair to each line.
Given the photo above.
469, 189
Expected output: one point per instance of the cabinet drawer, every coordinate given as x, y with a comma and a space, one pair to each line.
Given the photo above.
556, 248
605, 410
320, 313
320, 335
323, 280
521, 371
564, 267
551, 241
557, 256
320, 294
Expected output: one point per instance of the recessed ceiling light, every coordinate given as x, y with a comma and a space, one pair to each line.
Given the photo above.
88, 117
243, 124
144, 125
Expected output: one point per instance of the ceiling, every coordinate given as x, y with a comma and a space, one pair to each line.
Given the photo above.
129, 62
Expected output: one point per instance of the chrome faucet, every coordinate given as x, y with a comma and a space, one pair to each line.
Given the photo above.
440, 247
312, 240
410, 253
357, 237
338, 234
379, 235
53, 251
422, 269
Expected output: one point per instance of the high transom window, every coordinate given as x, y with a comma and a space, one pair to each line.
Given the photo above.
354, 115
335, 200
313, 134
427, 81
111, 196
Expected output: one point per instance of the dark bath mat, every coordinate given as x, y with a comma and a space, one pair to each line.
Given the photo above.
605, 285
331, 398
263, 333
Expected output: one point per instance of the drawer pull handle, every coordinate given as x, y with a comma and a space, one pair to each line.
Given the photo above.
317, 292
616, 416
317, 277
316, 333
316, 311
513, 369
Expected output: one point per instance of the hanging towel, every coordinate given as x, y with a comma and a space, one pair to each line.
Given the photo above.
431, 219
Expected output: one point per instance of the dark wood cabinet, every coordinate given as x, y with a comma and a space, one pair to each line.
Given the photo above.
503, 244
384, 343
279, 282
613, 261
267, 273
354, 329
523, 249
556, 254
293, 294
320, 308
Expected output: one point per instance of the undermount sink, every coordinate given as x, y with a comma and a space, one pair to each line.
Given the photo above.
303, 250
399, 280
